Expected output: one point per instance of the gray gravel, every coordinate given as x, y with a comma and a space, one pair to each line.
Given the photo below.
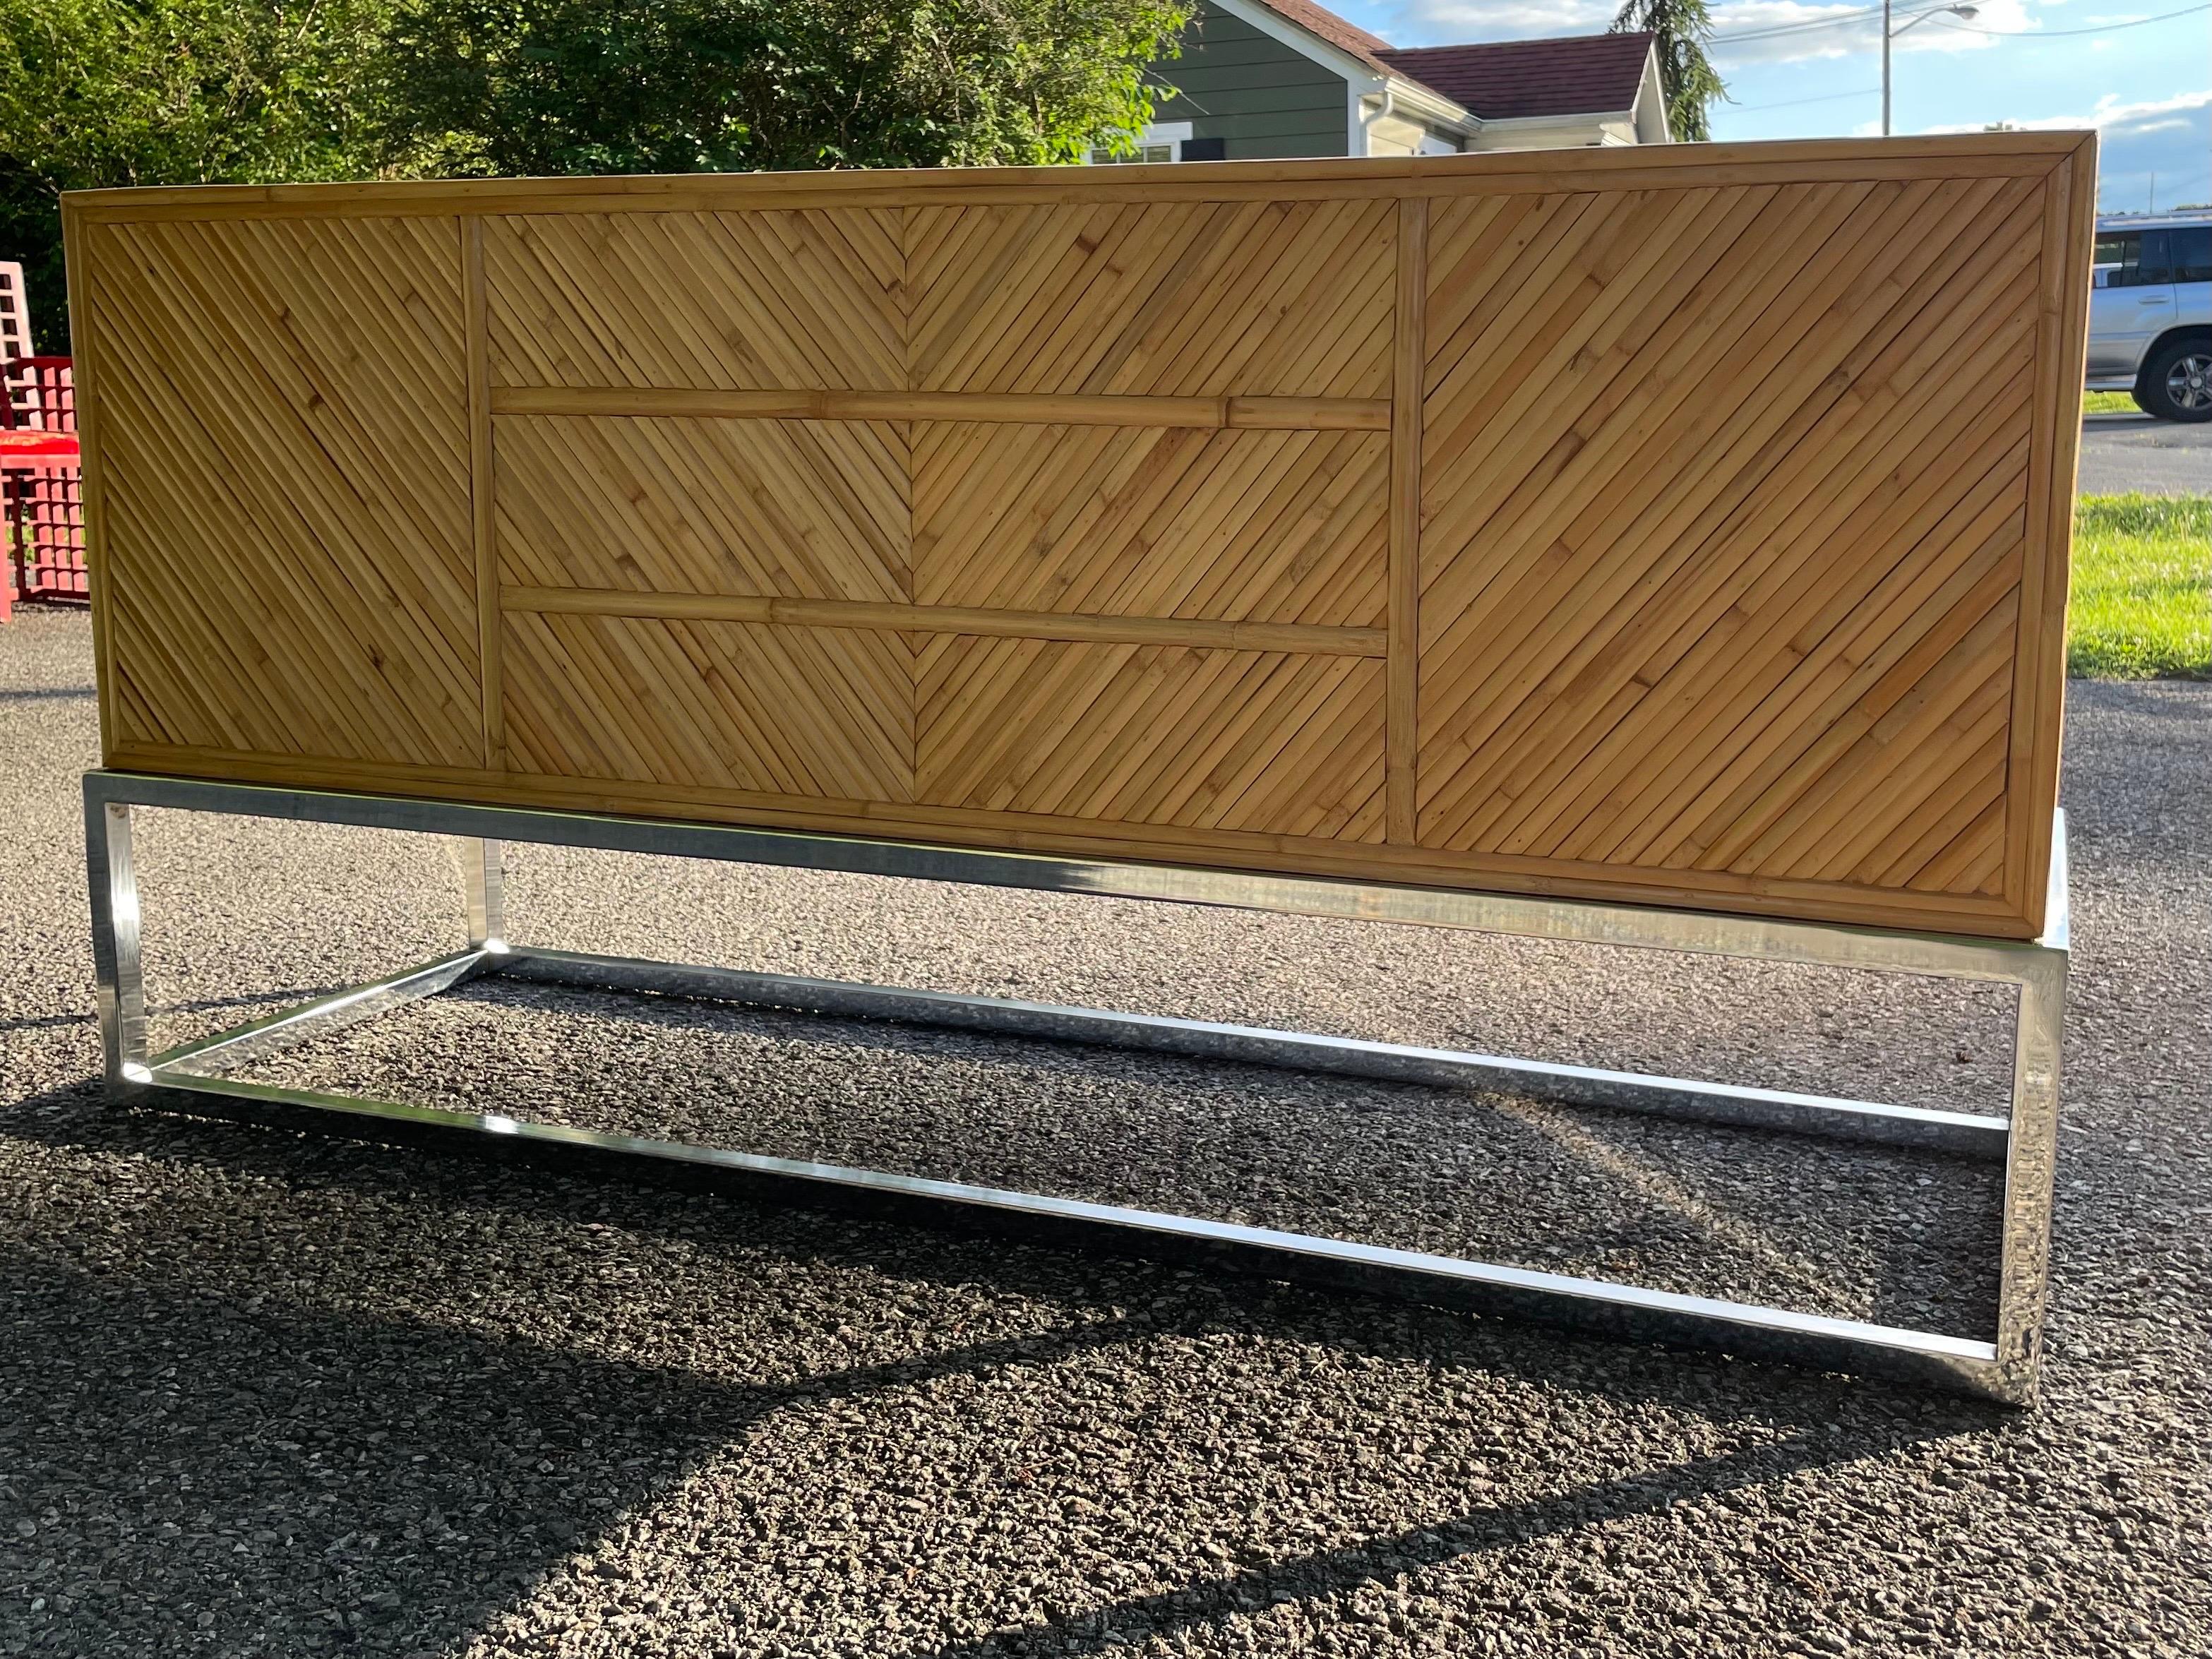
265, 1394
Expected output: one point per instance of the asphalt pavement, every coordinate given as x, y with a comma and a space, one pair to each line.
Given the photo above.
265, 1394
2121, 453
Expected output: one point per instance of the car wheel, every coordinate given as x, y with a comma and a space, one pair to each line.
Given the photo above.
2176, 384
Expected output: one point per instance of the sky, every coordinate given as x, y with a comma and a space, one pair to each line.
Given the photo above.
2147, 89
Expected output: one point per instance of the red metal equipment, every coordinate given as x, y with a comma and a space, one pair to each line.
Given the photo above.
41, 394
15, 312
42, 488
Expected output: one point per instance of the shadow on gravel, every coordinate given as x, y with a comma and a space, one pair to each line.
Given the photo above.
1378, 1560
353, 1502
204, 1006
245, 1478
1891, 1234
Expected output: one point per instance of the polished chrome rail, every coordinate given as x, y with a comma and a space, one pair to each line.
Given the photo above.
202, 1075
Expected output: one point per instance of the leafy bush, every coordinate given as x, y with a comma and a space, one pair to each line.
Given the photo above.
99, 92
531, 87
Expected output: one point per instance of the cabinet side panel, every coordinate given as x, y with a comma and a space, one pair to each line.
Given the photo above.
2039, 689
284, 482
1726, 505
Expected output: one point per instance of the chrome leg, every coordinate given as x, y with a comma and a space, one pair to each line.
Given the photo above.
117, 969
241, 1046
2031, 1166
1971, 1135
487, 885
198, 1076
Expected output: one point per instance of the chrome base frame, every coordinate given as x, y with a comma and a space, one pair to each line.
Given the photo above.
200, 1076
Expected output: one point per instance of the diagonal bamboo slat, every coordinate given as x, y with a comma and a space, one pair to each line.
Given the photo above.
1688, 525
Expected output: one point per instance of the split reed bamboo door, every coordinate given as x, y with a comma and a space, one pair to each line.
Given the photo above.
1687, 524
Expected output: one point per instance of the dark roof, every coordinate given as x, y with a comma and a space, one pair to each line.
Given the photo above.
1340, 32
1501, 80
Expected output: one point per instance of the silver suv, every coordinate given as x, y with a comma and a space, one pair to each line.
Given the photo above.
2150, 312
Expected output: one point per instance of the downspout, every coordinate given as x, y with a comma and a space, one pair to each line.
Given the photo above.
1366, 127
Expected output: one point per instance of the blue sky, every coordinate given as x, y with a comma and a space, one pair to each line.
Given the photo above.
2147, 89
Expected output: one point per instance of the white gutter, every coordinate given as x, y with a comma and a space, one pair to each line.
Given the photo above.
1426, 105
1595, 118
1419, 105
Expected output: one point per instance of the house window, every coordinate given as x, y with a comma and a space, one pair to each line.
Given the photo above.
1164, 140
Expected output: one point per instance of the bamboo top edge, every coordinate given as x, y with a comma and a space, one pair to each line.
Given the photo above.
1656, 166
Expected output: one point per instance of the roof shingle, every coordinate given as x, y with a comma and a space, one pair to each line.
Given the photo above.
1340, 32
1505, 80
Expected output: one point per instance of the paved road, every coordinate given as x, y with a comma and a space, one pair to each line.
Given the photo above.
2123, 452
266, 1395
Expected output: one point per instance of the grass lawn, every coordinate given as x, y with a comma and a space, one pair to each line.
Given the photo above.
2141, 602
2108, 402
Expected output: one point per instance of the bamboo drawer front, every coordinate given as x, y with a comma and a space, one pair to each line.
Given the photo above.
1687, 524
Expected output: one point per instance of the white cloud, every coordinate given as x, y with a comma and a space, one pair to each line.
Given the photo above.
2112, 115
2166, 137
2147, 145
1438, 23
1842, 29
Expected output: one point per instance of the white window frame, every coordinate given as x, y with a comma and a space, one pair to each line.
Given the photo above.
1170, 133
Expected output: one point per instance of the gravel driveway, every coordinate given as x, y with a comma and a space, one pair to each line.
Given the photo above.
267, 1395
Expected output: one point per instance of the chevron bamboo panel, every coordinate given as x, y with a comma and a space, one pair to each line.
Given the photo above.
817, 712
1291, 299
813, 509
725, 300
1165, 521
287, 443
1684, 524
1775, 667
1154, 734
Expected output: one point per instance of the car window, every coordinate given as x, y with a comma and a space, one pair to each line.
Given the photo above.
2189, 250
2137, 256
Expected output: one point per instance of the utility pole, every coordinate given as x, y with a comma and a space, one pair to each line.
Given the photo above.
1889, 33
1885, 67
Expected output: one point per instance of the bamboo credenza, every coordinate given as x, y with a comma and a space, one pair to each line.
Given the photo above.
1662, 548
1682, 525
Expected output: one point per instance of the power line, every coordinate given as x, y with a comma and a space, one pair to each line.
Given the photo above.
1841, 20
2055, 35
1835, 21
1824, 98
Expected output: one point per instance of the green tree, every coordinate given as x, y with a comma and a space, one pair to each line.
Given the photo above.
98, 93
1686, 76
522, 87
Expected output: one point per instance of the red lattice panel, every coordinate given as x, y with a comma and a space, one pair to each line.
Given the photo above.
41, 395
45, 505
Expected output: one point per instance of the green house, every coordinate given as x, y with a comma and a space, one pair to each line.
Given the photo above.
1267, 78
